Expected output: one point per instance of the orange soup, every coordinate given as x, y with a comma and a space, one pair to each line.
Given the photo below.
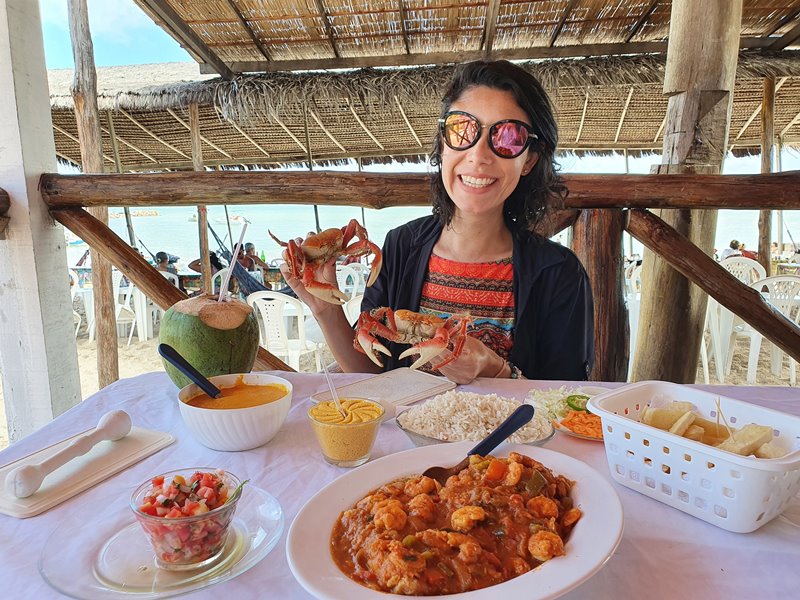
240, 395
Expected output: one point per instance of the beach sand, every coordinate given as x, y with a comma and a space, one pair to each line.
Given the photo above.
142, 357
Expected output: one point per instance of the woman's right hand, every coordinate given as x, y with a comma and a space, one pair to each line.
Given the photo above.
325, 272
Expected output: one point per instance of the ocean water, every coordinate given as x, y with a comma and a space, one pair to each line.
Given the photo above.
173, 231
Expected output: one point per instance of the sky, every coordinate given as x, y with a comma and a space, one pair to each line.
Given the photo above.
122, 34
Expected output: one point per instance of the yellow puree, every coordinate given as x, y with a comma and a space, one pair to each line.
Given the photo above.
356, 411
240, 395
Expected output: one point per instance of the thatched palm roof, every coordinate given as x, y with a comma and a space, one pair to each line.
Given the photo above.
234, 36
602, 104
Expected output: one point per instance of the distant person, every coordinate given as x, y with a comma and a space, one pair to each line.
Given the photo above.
747, 253
250, 252
774, 250
731, 250
216, 264
163, 264
244, 260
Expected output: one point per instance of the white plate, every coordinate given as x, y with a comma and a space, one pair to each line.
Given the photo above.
115, 562
592, 542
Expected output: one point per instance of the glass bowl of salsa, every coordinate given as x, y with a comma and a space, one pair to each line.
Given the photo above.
186, 515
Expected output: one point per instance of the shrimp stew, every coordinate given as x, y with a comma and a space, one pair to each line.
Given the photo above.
495, 520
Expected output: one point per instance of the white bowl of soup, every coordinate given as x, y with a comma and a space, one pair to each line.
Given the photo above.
248, 414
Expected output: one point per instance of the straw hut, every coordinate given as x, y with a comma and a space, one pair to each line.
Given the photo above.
304, 116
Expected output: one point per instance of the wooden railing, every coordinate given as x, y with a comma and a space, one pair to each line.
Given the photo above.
597, 240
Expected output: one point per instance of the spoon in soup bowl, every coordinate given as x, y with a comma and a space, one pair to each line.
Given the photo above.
179, 362
521, 415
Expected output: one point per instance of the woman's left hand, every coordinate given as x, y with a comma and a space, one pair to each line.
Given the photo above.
475, 360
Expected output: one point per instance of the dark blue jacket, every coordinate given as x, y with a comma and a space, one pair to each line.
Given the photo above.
554, 319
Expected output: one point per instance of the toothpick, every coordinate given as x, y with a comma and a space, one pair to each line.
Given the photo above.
223, 291
724, 420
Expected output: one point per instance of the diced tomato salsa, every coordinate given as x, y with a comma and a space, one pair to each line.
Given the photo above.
176, 537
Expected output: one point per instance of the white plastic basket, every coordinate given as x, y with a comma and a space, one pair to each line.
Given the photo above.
737, 493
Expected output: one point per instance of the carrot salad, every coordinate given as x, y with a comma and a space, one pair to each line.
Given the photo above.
584, 423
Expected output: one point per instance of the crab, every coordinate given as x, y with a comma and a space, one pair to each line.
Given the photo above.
318, 248
429, 334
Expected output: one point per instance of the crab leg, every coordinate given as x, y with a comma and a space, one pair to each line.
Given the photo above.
367, 343
324, 291
429, 349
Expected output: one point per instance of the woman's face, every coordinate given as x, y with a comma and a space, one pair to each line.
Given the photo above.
477, 180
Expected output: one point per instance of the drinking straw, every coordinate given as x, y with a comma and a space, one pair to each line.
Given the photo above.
223, 292
334, 395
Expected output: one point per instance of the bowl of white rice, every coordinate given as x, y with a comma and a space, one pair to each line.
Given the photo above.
457, 416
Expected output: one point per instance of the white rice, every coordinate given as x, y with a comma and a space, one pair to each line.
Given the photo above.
456, 416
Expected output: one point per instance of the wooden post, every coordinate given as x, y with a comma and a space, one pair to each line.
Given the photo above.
38, 359
112, 133
767, 142
202, 212
700, 73
87, 116
597, 240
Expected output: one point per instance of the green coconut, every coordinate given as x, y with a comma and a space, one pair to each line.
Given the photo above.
217, 338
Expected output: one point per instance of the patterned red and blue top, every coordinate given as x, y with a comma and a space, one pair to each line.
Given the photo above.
482, 290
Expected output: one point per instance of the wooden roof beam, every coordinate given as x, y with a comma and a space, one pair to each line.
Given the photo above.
153, 135
622, 116
202, 137
326, 23
583, 118
405, 118
67, 134
402, 8
241, 132
325, 130
788, 38
757, 111
490, 26
132, 147
186, 34
784, 20
363, 126
290, 134
790, 125
400, 60
641, 20
243, 21
660, 128
560, 25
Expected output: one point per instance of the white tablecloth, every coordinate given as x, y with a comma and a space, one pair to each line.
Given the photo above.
664, 553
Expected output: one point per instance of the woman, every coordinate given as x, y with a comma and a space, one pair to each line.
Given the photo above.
529, 298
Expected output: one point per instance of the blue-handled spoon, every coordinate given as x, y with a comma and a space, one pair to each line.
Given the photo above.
521, 415
174, 357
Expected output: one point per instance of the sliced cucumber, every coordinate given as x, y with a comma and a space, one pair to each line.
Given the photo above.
577, 401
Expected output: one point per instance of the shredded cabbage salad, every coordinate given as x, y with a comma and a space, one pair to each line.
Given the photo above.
553, 401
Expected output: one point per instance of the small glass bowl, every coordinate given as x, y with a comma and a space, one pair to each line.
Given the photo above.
192, 542
423, 440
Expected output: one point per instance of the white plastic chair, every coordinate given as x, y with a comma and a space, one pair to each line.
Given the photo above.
634, 285
73, 288
172, 277
124, 312
271, 309
352, 308
217, 279
719, 320
784, 295
349, 280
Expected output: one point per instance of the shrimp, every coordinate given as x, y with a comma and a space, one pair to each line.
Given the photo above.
421, 506
389, 514
420, 485
542, 507
544, 545
514, 473
571, 517
469, 550
464, 518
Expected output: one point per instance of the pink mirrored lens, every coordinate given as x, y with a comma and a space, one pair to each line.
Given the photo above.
509, 139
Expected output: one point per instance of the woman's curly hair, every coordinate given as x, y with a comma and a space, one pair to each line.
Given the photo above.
527, 203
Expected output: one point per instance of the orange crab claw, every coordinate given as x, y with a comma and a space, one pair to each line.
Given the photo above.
370, 346
429, 349
323, 291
